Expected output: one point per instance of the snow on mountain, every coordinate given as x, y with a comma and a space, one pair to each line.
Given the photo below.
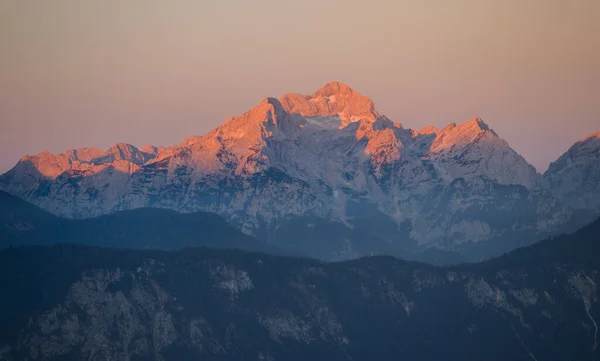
473, 149
334, 99
329, 155
575, 176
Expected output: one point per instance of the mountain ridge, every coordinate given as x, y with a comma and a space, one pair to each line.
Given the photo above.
22, 223
25, 224
329, 155
74, 302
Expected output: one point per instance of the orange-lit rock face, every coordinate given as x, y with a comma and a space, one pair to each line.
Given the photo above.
317, 154
459, 135
592, 136
333, 99
426, 130
122, 157
317, 125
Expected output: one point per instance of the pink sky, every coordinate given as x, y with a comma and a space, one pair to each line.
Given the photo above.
94, 73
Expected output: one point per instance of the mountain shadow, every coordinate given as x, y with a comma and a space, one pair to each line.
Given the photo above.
71, 302
25, 224
160, 228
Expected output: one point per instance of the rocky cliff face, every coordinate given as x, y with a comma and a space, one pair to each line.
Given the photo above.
575, 176
70, 303
329, 155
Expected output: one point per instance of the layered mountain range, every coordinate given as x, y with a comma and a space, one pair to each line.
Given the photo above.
335, 175
142, 228
70, 302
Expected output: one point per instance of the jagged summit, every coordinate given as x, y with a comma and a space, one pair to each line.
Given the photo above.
335, 88
594, 135
246, 127
268, 112
122, 156
334, 99
575, 175
428, 129
475, 124
479, 122
329, 154
119, 151
83, 154
460, 135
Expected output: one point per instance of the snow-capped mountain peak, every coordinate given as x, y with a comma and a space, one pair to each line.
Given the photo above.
334, 99
329, 155
461, 135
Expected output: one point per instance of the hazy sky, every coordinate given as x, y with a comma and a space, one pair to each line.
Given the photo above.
96, 72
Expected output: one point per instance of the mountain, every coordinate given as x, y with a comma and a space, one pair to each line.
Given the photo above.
575, 176
71, 302
329, 156
26, 224
158, 228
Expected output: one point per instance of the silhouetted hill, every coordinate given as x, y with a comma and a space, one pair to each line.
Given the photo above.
581, 248
160, 228
73, 302
23, 223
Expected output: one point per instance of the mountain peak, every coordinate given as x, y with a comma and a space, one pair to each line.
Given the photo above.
460, 135
151, 149
122, 149
271, 102
334, 88
477, 121
575, 175
476, 125
594, 135
269, 109
334, 99
247, 127
125, 152
428, 129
